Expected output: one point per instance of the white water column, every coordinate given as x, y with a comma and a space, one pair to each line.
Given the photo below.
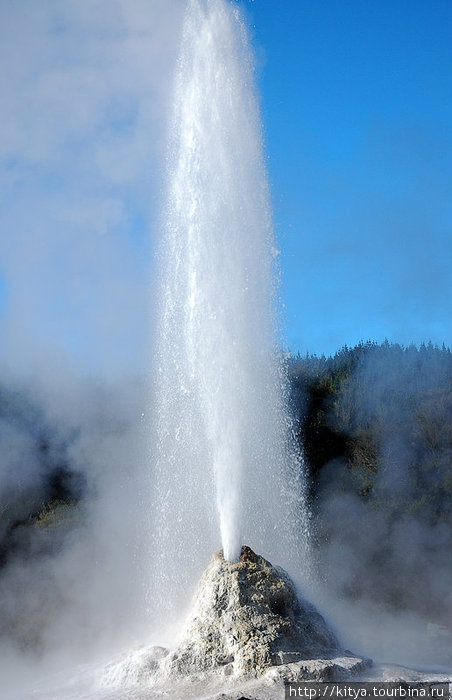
226, 472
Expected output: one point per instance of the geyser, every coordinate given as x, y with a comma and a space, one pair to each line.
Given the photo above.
227, 464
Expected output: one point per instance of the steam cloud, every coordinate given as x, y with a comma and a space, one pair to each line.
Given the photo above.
85, 90
390, 557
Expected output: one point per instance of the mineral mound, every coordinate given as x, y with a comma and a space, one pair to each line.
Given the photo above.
246, 622
247, 617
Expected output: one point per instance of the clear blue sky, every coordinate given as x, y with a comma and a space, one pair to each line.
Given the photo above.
357, 110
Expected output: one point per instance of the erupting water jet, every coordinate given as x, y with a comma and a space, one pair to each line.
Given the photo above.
228, 469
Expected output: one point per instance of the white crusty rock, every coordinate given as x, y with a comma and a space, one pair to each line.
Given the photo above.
246, 617
246, 623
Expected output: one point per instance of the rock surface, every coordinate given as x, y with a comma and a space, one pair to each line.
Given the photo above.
246, 618
247, 625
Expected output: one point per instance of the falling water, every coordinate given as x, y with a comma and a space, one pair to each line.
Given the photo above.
227, 471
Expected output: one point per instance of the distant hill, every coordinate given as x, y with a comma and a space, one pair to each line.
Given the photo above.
375, 423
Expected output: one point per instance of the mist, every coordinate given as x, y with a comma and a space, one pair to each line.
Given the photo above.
383, 508
75, 571
85, 88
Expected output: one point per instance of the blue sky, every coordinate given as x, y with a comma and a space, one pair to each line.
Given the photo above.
357, 109
357, 113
